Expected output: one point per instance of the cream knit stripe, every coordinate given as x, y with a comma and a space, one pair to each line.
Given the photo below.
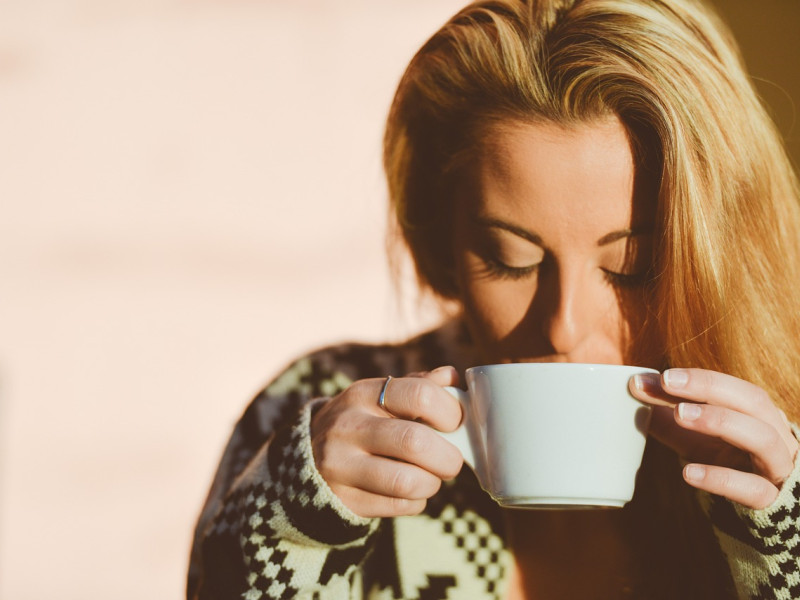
281, 493
309, 472
769, 569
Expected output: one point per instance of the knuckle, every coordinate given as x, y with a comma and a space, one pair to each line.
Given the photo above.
406, 507
355, 389
727, 422
769, 452
434, 487
327, 466
337, 427
452, 468
793, 446
413, 440
778, 477
452, 415
715, 419
772, 440
779, 472
402, 484
420, 396
724, 481
320, 450
761, 399
350, 398
452, 463
346, 495
708, 384
763, 493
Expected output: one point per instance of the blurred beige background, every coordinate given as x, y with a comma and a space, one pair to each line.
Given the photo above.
192, 196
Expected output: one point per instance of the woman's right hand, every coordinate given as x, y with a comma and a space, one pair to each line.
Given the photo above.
388, 462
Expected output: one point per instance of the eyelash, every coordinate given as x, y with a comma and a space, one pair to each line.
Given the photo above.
625, 280
501, 271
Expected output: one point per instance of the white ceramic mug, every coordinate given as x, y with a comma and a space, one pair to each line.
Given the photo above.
552, 435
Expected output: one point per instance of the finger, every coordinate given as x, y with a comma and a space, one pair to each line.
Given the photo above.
710, 387
441, 376
694, 446
420, 399
700, 385
664, 428
647, 387
416, 444
392, 478
748, 489
759, 439
349, 467
368, 505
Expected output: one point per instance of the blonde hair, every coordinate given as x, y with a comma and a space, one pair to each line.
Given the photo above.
726, 276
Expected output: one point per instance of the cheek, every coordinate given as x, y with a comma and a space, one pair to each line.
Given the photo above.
641, 338
495, 308
619, 320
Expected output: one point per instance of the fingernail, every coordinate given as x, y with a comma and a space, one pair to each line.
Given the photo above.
646, 382
688, 411
675, 378
638, 383
694, 472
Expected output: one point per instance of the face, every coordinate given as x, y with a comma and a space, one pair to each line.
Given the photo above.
554, 245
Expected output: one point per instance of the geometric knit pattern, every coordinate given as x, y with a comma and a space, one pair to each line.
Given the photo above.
272, 528
763, 545
292, 506
481, 547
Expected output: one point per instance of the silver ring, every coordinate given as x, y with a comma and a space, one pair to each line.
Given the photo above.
382, 397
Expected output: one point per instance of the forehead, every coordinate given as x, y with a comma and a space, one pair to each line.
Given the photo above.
583, 175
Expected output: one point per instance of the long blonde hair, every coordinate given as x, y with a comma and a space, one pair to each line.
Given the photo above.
726, 277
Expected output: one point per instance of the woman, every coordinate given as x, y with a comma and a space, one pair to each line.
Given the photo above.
587, 181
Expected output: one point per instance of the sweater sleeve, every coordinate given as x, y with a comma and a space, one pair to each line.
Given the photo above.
272, 527
762, 546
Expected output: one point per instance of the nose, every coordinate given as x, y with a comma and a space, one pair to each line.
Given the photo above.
570, 313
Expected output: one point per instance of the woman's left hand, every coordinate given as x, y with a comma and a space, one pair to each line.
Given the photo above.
738, 444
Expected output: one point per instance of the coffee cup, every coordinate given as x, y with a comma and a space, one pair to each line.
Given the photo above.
552, 435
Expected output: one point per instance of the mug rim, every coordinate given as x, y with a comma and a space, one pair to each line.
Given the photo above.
561, 365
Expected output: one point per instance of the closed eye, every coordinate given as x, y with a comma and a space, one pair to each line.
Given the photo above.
502, 271
625, 280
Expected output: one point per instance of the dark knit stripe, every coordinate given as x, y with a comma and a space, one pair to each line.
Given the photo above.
318, 521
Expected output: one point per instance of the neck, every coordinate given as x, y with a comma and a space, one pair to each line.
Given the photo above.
572, 554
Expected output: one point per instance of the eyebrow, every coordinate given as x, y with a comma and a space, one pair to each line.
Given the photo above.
624, 233
523, 233
535, 239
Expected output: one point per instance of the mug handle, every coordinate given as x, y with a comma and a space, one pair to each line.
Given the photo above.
460, 437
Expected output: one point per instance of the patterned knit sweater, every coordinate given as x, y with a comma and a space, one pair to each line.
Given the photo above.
272, 528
